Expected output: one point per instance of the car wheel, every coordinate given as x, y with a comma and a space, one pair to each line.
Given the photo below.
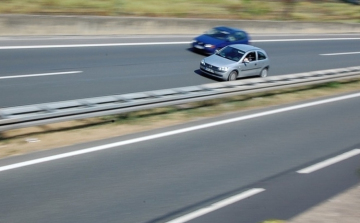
264, 72
232, 76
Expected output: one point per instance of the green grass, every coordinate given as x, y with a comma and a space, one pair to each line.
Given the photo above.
325, 10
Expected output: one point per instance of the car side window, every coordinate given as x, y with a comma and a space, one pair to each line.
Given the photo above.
240, 35
261, 55
251, 56
231, 38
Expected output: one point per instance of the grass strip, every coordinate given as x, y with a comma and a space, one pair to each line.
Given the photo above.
330, 10
20, 141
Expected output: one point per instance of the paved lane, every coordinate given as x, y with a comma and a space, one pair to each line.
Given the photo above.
291, 194
167, 176
124, 69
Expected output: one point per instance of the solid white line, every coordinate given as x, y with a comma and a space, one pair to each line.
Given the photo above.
89, 45
149, 36
38, 75
309, 34
40, 38
329, 162
335, 54
155, 43
174, 132
217, 205
296, 40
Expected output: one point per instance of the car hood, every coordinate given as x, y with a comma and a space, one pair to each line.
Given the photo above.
218, 61
209, 40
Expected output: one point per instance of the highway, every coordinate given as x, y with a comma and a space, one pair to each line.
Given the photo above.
171, 174
161, 175
82, 67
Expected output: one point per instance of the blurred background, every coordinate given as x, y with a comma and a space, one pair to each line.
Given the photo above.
303, 10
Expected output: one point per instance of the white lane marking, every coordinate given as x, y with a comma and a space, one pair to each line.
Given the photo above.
335, 54
149, 36
329, 162
217, 205
89, 45
156, 43
307, 34
97, 37
174, 132
38, 75
296, 40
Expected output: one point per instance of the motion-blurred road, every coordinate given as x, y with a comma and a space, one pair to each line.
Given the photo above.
152, 177
45, 69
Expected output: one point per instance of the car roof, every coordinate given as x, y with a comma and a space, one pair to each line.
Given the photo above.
245, 47
228, 29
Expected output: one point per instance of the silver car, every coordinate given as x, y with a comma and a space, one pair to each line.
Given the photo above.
238, 60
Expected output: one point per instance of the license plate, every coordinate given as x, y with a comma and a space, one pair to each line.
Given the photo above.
209, 70
199, 47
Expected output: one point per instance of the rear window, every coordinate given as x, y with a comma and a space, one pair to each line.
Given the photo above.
240, 35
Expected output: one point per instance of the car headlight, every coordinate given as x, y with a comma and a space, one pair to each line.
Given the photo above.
223, 68
209, 46
203, 62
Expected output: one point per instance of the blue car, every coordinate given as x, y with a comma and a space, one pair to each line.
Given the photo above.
219, 37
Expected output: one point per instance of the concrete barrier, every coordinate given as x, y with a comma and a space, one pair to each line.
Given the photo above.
14, 25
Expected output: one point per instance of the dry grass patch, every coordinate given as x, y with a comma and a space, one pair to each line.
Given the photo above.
222, 9
20, 141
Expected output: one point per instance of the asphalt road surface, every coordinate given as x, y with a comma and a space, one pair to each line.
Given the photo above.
47, 69
162, 175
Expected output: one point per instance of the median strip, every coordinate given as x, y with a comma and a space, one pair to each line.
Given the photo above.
176, 132
13, 142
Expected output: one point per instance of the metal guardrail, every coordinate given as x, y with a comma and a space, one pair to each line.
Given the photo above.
41, 114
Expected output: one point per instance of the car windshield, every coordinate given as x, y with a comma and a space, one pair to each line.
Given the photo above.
218, 34
231, 53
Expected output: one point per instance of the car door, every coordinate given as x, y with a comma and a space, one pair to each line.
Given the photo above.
252, 67
262, 60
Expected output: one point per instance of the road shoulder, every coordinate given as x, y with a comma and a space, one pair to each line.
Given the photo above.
341, 208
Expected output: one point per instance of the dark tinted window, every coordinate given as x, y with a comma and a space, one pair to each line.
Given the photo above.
231, 38
240, 35
261, 56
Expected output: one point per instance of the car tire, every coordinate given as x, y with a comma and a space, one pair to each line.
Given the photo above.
264, 73
232, 76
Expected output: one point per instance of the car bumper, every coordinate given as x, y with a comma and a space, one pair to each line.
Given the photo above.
219, 74
203, 49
